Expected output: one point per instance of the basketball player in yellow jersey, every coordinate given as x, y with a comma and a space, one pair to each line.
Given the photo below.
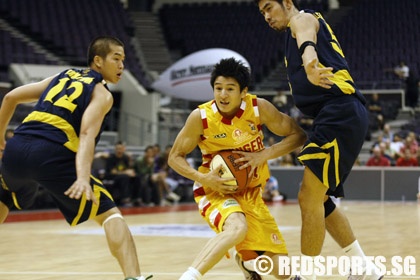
233, 121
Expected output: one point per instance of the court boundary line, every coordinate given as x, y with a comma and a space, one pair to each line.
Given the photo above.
66, 273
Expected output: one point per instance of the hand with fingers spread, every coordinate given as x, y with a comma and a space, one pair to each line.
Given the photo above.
252, 160
319, 76
79, 188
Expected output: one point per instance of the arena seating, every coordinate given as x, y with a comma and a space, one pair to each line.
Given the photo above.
13, 50
372, 38
237, 26
65, 27
378, 34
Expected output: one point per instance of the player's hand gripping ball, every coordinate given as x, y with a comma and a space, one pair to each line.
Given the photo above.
231, 169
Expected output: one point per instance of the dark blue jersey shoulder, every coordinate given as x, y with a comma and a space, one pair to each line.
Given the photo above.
308, 97
57, 116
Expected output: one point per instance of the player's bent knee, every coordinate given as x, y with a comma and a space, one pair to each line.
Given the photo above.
329, 207
236, 226
113, 216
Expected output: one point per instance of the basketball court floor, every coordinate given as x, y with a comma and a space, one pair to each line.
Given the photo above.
39, 245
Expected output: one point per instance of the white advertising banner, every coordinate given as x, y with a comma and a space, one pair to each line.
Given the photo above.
189, 77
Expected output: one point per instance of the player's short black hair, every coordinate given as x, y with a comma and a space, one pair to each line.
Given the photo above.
281, 2
101, 46
232, 68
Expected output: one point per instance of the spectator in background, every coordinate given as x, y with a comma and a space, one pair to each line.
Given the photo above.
376, 116
156, 149
410, 144
376, 143
408, 159
271, 191
271, 140
402, 71
304, 121
144, 167
161, 178
119, 169
377, 158
287, 160
280, 101
386, 151
396, 146
387, 134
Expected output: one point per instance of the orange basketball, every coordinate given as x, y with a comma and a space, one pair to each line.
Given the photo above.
231, 169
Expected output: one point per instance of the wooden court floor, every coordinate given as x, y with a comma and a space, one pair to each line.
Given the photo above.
40, 245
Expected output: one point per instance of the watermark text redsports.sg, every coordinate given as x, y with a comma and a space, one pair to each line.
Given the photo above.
330, 265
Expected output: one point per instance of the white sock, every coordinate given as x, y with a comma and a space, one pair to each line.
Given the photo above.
191, 274
250, 265
313, 275
354, 250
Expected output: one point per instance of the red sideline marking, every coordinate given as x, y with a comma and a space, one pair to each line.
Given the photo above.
54, 214
35, 215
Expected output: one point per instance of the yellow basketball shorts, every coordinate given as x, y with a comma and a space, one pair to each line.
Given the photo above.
263, 232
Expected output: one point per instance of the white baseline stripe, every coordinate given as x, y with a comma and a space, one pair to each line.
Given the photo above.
102, 273
155, 273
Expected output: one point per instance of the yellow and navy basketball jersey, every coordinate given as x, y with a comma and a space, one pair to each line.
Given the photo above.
58, 114
308, 97
242, 132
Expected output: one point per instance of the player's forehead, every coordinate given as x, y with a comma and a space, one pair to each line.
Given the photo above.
226, 81
265, 4
116, 51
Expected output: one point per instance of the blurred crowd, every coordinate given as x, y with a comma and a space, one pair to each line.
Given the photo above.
146, 180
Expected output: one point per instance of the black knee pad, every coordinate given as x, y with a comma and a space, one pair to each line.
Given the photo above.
329, 206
